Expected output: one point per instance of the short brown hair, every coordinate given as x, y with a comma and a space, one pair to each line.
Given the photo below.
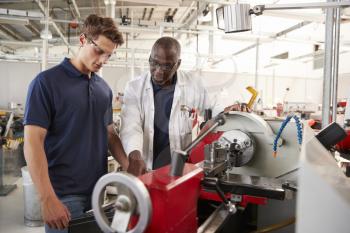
95, 25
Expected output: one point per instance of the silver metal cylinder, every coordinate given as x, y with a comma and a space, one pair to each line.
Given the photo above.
335, 64
32, 210
177, 164
327, 70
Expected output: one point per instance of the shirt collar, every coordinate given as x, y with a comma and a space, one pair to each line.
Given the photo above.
74, 71
157, 87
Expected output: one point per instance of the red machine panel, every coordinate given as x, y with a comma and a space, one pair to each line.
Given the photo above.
174, 199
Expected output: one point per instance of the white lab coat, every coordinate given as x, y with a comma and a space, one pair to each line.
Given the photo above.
137, 114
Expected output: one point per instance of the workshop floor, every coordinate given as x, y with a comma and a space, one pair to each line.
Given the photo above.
12, 213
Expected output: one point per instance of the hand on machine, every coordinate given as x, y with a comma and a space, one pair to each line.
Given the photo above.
243, 107
137, 165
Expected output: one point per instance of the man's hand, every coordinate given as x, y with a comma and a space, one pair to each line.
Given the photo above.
237, 107
55, 214
136, 166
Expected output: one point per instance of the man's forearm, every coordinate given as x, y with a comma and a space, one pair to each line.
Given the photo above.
38, 168
117, 150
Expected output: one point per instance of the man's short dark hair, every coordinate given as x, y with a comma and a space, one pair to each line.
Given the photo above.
168, 43
95, 26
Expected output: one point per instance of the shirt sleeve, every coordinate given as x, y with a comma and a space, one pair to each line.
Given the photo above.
131, 131
38, 109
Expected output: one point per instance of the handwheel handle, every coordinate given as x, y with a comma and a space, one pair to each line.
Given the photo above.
138, 190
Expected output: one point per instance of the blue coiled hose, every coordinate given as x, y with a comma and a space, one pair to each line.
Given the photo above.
284, 123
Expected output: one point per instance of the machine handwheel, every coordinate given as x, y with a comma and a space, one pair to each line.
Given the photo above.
123, 205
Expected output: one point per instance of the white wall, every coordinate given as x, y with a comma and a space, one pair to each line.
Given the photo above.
14, 80
226, 87
16, 76
117, 77
232, 87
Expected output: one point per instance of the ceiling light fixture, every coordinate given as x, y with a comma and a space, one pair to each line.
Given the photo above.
126, 20
237, 17
46, 34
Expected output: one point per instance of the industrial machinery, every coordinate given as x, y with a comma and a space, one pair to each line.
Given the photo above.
11, 135
230, 163
322, 184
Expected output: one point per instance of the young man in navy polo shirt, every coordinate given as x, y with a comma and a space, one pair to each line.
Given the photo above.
68, 126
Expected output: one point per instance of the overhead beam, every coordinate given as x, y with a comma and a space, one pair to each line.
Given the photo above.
174, 3
20, 43
167, 12
174, 12
13, 20
292, 28
76, 9
193, 18
192, 6
59, 32
55, 26
72, 11
11, 32
144, 13
33, 29
188, 21
6, 36
150, 14
219, 2
130, 7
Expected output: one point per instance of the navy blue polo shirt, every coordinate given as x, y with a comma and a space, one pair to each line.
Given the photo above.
76, 111
163, 101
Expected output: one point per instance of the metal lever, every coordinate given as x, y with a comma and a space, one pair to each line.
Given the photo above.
228, 204
179, 157
211, 182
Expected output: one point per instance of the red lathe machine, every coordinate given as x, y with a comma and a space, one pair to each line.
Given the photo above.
237, 168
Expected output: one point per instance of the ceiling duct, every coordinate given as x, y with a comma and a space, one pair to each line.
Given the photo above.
110, 8
9, 31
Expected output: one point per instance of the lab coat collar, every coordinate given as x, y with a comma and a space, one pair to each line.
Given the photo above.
180, 80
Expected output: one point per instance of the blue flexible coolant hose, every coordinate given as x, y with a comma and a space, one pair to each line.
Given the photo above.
284, 123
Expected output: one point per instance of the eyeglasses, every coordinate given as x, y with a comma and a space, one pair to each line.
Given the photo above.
164, 67
97, 49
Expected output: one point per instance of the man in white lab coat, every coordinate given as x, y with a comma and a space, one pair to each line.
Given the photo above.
153, 124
